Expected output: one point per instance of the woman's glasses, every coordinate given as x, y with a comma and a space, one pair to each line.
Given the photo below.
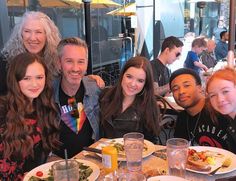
74, 112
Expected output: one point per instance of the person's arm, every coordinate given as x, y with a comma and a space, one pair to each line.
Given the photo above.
200, 65
98, 79
162, 90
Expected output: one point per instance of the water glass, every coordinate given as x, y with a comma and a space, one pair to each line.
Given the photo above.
63, 172
133, 145
132, 176
177, 153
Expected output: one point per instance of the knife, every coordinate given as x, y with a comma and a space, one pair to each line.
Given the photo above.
95, 150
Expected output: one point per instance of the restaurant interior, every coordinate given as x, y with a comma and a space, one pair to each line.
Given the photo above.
132, 27
116, 30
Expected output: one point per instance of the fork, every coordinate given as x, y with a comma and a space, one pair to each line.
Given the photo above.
214, 171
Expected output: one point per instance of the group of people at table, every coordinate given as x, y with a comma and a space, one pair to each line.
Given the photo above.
49, 104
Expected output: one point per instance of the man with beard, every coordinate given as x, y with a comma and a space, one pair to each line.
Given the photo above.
77, 97
195, 122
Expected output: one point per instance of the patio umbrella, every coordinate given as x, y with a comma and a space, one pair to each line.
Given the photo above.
46, 3
127, 10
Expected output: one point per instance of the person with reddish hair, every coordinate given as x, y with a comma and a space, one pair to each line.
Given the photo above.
221, 91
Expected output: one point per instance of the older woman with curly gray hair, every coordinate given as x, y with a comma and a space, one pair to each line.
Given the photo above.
35, 33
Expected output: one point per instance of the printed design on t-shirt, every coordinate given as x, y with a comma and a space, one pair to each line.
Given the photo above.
73, 115
210, 135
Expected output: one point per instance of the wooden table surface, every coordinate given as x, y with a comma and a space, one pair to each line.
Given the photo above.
149, 163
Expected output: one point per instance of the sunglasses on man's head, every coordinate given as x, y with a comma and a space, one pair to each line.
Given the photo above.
74, 112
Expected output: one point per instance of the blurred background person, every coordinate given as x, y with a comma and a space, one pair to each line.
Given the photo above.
192, 60
130, 105
28, 117
221, 49
170, 51
99, 32
217, 30
207, 57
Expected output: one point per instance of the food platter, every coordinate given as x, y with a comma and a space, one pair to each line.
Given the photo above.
149, 147
47, 166
220, 156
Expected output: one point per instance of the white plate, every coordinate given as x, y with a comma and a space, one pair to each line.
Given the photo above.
150, 147
45, 168
226, 153
166, 178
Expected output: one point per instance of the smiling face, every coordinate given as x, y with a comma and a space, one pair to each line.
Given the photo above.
34, 36
133, 81
186, 92
73, 64
222, 96
33, 82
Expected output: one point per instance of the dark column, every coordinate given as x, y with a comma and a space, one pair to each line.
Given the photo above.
232, 25
87, 22
201, 5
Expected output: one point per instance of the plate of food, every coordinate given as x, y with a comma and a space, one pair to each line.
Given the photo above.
166, 178
205, 159
118, 143
88, 171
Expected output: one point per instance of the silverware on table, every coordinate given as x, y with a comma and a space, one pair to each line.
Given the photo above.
214, 171
94, 150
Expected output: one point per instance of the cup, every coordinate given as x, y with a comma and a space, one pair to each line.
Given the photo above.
177, 153
63, 172
133, 145
132, 176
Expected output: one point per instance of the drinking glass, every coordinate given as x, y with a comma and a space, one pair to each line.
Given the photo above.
63, 172
177, 153
132, 176
133, 145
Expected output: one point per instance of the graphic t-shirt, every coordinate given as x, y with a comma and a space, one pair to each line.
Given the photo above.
200, 130
76, 131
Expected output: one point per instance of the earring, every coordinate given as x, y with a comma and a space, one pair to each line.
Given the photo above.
141, 93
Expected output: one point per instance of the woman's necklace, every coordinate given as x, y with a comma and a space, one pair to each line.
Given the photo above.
191, 133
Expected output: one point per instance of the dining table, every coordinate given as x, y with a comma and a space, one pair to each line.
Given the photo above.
150, 164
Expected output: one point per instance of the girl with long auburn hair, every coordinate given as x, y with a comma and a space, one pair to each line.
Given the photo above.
28, 117
130, 105
221, 93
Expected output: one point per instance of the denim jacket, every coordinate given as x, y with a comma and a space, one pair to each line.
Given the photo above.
90, 101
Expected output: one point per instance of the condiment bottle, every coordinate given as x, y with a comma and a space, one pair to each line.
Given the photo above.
109, 158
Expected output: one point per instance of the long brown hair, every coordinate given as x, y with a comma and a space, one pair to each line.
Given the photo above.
15, 106
145, 101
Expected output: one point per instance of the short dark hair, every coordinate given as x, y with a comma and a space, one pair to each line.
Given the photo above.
171, 42
182, 71
222, 34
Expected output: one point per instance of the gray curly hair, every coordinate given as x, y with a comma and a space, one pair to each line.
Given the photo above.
15, 46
